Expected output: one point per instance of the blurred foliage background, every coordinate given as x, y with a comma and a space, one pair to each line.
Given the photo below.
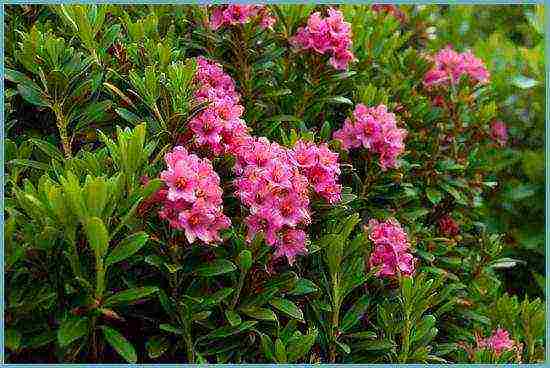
510, 40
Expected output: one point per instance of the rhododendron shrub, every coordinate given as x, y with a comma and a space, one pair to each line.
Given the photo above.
244, 183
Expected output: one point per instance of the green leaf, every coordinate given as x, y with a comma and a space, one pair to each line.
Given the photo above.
287, 307
363, 335
304, 286
434, 195
354, 314
32, 95
325, 131
93, 113
128, 116
345, 347
298, 346
217, 297
72, 329
169, 328
369, 345
264, 314
280, 351
469, 314
127, 247
120, 344
267, 346
505, 263
415, 214
233, 317
97, 235
12, 339
218, 267
130, 295
19, 78
422, 330
152, 187
156, 346
49, 149
339, 100
244, 260
226, 331
29, 163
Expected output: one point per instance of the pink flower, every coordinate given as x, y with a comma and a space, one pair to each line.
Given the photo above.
391, 249
291, 244
181, 176
376, 129
498, 342
450, 66
194, 198
330, 35
348, 135
196, 222
228, 15
341, 58
499, 133
448, 226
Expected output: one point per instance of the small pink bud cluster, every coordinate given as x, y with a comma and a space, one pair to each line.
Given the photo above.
498, 342
375, 129
448, 226
330, 35
219, 126
229, 15
499, 133
450, 66
194, 198
389, 9
391, 249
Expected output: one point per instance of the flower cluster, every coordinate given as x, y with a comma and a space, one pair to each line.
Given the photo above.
194, 197
275, 183
497, 342
228, 15
391, 248
375, 129
276, 193
450, 66
448, 226
389, 9
330, 35
219, 126
272, 181
499, 133
320, 166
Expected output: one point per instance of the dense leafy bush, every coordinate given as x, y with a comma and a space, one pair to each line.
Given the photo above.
255, 184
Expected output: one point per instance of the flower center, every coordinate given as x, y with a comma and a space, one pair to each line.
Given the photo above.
194, 220
286, 209
181, 183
